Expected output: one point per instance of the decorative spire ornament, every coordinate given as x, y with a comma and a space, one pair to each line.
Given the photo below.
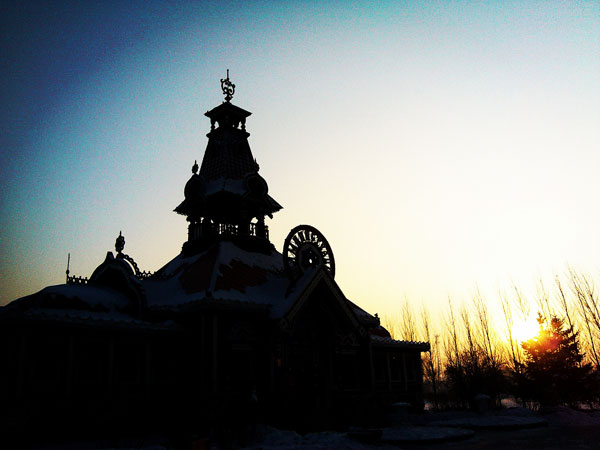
227, 87
120, 243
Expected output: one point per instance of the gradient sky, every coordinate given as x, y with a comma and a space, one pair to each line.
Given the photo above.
439, 146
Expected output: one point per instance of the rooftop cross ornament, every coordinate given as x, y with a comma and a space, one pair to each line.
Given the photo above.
227, 87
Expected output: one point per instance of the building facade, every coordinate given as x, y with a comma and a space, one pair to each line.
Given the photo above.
228, 328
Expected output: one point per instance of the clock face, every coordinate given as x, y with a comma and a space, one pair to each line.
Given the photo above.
306, 247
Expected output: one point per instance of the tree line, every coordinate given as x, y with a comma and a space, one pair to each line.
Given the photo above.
473, 354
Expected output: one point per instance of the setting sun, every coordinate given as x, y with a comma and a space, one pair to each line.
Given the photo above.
526, 329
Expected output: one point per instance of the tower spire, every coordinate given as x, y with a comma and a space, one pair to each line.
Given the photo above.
227, 199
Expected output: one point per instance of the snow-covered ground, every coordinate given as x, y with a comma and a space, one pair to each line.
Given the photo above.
274, 439
563, 416
423, 429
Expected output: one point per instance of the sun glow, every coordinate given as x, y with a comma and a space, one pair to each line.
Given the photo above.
525, 329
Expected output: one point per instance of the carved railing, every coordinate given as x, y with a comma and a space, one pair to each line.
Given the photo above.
139, 274
205, 229
227, 229
254, 230
144, 274
84, 280
76, 280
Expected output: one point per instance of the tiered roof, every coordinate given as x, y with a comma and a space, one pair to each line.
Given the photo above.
228, 187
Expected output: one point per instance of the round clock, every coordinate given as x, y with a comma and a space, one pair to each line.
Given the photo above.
306, 247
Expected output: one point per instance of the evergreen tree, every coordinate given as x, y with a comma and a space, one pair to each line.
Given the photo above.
553, 372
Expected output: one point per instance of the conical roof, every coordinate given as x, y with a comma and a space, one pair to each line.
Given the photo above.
228, 153
228, 188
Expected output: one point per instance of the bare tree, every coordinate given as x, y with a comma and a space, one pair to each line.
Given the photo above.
563, 302
513, 347
522, 304
588, 304
543, 300
454, 353
485, 330
469, 334
431, 364
408, 325
391, 325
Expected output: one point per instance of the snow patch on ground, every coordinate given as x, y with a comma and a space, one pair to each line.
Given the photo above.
492, 422
456, 425
152, 447
274, 439
563, 416
410, 434
518, 411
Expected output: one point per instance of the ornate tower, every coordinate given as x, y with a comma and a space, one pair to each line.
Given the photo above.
228, 199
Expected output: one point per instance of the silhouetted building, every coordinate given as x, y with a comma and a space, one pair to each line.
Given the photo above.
227, 320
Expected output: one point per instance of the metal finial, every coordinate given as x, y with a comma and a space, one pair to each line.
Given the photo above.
195, 167
227, 87
68, 264
120, 243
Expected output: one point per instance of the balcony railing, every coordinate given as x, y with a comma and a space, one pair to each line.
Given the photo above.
206, 229
76, 280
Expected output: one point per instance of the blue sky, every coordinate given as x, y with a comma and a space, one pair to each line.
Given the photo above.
439, 146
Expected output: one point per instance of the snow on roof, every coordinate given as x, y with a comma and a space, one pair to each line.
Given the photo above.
359, 311
222, 275
362, 315
97, 317
224, 272
78, 303
76, 297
